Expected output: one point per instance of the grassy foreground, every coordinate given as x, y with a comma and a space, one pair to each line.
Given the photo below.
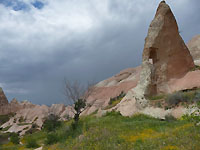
115, 132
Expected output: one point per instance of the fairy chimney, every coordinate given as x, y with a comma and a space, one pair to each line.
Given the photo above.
165, 52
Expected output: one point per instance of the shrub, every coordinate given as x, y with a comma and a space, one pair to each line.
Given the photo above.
21, 119
189, 96
51, 138
31, 143
175, 98
170, 118
32, 129
14, 138
194, 117
197, 97
156, 97
117, 99
195, 68
51, 123
113, 113
6, 128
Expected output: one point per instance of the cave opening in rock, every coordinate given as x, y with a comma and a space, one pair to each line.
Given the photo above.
153, 59
153, 55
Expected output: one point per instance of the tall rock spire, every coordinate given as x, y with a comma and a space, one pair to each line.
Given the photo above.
3, 99
165, 52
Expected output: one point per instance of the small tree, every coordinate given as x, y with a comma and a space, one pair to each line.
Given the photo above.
77, 95
51, 123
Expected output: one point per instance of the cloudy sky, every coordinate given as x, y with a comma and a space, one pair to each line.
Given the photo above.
43, 41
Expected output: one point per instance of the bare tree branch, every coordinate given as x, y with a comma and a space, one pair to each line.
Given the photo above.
77, 94
73, 90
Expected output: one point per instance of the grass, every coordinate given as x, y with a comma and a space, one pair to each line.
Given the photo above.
157, 97
114, 103
5, 129
139, 132
23, 124
5, 118
116, 132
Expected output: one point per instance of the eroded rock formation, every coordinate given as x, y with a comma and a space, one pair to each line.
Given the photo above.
27, 113
167, 66
194, 47
3, 99
112, 87
165, 51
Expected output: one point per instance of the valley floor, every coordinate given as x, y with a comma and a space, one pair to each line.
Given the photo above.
115, 132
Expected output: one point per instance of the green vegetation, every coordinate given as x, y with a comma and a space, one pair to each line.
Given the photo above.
5, 129
114, 131
32, 129
31, 142
195, 68
21, 119
14, 138
51, 138
51, 123
78, 106
187, 97
5, 118
114, 101
23, 124
157, 97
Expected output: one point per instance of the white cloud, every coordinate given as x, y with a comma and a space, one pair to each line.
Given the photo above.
40, 46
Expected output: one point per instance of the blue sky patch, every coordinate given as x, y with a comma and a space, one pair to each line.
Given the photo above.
15, 4
38, 4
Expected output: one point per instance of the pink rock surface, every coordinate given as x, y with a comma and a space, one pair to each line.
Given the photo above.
112, 87
189, 81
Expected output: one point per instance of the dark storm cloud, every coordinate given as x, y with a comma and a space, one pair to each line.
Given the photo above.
82, 40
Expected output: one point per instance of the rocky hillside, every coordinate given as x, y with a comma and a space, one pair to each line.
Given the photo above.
112, 87
26, 114
167, 67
